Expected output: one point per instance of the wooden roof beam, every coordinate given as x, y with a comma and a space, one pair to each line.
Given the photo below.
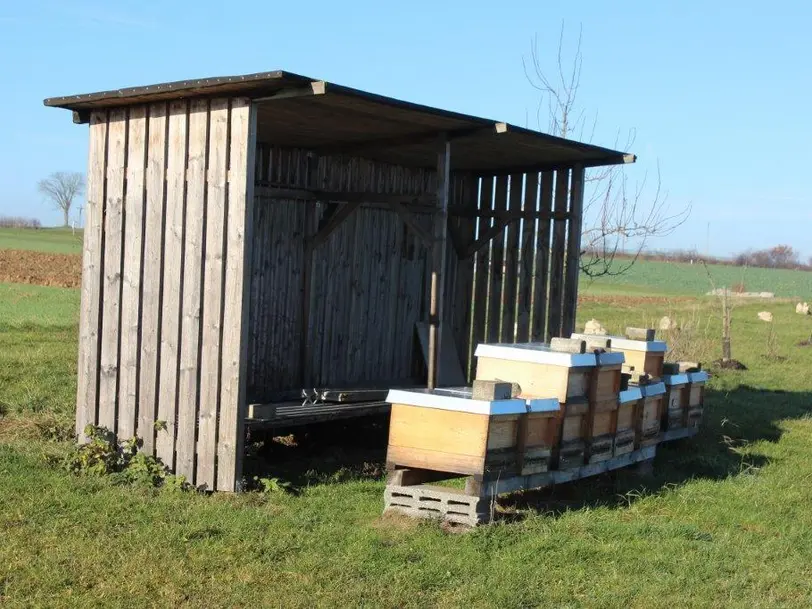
317, 87
269, 192
619, 159
410, 139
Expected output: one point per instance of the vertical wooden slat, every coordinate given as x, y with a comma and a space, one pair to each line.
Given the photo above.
212, 293
172, 281
462, 307
541, 264
481, 276
524, 280
131, 276
438, 263
495, 267
507, 332
89, 316
188, 390
573, 251
151, 292
238, 263
111, 289
557, 255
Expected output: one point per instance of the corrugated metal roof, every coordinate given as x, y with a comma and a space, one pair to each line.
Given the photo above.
302, 112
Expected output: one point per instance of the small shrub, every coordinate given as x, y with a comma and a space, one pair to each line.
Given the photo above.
267, 486
102, 455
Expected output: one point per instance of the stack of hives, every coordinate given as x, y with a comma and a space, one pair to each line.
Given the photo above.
577, 407
672, 393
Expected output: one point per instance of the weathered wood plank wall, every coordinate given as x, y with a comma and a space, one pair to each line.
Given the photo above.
162, 329
368, 280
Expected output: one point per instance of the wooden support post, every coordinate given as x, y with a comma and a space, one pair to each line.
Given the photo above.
557, 257
573, 251
438, 260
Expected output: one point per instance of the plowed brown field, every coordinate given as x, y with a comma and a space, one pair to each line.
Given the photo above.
40, 268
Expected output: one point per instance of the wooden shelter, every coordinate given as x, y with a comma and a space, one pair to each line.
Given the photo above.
251, 237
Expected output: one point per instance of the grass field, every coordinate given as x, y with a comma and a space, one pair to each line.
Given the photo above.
645, 277
692, 279
723, 521
51, 240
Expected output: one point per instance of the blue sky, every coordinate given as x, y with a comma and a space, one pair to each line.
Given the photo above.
718, 92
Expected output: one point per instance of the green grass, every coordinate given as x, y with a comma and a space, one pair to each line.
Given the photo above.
38, 306
51, 240
692, 279
723, 522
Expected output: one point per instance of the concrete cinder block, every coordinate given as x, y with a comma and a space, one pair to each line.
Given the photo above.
646, 334
600, 343
568, 345
446, 504
492, 390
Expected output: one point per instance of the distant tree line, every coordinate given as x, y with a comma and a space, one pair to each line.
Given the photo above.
778, 257
19, 222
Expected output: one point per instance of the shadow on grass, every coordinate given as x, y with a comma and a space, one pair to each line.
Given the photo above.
356, 450
322, 453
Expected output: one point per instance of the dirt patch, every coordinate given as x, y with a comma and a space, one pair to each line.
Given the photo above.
731, 364
631, 300
40, 268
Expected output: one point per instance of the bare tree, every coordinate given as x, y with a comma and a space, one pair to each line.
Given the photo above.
61, 188
616, 212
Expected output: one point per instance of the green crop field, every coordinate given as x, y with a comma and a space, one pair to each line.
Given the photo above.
692, 279
644, 278
723, 521
51, 240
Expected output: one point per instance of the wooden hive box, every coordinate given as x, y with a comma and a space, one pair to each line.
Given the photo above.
676, 399
640, 355
445, 430
604, 387
650, 414
538, 433
543, 373
628, 412
696, 397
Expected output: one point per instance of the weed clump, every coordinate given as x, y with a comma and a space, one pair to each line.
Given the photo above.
103, 455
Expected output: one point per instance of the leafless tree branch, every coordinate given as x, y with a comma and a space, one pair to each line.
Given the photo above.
615, 211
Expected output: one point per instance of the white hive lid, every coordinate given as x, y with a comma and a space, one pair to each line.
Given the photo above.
542, 405
630, 395
609, 358
626, 344
536, 353
675, 379
698, 377
455, 398
653, 389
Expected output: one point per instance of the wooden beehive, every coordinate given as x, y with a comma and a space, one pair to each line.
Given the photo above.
640, 355
446, 430
696, 397
628, 413
542, 373
604, 387
538, 434
676, 400
539, 371
650, 414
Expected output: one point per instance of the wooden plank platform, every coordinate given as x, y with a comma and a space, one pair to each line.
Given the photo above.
294, 414
678, 434
508, 485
